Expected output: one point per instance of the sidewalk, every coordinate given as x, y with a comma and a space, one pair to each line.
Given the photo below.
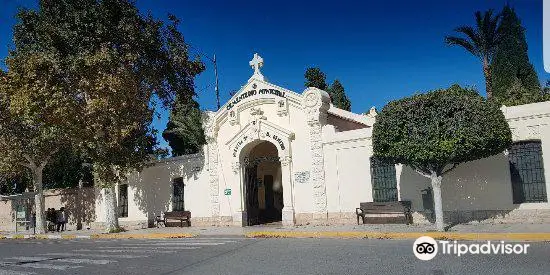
525, 232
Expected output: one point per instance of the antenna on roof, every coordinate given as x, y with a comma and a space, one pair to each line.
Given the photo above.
216, 73
213, 60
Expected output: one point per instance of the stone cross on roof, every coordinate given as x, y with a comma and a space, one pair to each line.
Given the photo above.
256, 63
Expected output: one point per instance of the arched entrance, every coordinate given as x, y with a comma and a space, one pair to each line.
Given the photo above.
262, 183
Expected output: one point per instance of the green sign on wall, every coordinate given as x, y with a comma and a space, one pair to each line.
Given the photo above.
227, 191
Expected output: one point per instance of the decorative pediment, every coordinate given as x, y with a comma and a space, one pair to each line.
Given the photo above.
260, 129
257, 92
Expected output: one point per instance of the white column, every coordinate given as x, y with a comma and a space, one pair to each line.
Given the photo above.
213, 179
288, 191
211, 133
237, 196
316, 103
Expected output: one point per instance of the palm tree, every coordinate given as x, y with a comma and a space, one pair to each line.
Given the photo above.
480, 41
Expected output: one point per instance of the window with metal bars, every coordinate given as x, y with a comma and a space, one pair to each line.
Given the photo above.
178, 195
123, 200
384, 181
527, 172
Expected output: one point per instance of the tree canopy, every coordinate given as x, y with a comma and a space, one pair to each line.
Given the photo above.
40, 108
184, 131
91, 74
315, 78
338, 96
432, 130
515, 81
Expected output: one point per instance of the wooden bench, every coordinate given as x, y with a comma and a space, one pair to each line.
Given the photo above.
174, 215
394, 207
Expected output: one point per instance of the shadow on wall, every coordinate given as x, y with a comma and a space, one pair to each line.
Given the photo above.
153, 185
475, 191
79, 204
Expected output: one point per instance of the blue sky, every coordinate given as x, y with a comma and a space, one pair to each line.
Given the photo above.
379, 50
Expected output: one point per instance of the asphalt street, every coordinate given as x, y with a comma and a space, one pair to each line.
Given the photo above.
237, 255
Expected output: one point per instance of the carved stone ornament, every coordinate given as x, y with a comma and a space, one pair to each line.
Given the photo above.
282, 107
210, 127
286, 160
311, 100
236, 166
372, 112
233, 118
254, 131
316, 103
257, 113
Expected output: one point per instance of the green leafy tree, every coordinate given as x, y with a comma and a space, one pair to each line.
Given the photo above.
515, 81
315, 78
14, 183
518, 94
338, 96
546, 91
66, 169
39, 114
184, 131
481, 41
436, 131
115, 64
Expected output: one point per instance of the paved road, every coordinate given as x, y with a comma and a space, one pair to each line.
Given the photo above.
226, 255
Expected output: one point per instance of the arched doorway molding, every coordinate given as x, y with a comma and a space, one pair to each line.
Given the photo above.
254, 133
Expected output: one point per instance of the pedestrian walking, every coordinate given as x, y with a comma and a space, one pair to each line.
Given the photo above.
61, 219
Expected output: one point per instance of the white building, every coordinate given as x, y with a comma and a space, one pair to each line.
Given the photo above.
277, 155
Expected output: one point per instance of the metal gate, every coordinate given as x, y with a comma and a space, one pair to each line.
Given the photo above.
384, 182
251, 191
527, 172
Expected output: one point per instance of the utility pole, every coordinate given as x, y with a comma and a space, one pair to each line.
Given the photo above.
217, 89
213, 60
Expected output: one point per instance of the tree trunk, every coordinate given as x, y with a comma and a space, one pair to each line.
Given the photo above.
438, 205
488, 78
39, 200
79, 203
110, 204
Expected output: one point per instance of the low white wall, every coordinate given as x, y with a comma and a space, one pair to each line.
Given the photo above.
482, 184
150, 191
347, 171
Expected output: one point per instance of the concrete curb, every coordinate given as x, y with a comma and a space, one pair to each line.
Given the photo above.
101, 236
402, 235
310, 234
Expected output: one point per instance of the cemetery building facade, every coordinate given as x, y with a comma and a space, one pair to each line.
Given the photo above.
274, 155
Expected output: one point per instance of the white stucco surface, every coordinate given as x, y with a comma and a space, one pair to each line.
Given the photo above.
323, 162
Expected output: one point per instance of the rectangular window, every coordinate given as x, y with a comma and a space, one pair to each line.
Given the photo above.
178, 195
384, 181
527, 172
123, 200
